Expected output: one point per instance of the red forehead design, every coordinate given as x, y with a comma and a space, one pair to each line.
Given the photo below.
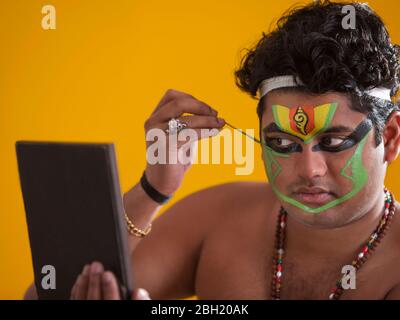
306, 114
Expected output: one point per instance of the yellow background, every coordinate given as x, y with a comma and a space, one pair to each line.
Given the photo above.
98, 76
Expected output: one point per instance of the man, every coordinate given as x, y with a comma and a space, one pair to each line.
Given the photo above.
328, 132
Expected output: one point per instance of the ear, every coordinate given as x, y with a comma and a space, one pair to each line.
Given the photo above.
391, 137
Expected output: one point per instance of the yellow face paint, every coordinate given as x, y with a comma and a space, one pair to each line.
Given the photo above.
304, 122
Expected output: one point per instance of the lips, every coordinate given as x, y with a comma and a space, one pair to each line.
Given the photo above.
313, 195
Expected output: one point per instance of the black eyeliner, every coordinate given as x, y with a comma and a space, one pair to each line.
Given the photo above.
294, 147
356, 136
351, 140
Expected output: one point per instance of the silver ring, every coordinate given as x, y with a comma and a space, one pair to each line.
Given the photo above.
175, 126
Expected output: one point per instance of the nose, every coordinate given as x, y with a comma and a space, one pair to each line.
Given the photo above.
311, 165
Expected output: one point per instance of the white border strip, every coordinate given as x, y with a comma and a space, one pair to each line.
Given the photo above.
270, 84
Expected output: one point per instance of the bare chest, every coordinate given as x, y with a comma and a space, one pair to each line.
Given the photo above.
238, 265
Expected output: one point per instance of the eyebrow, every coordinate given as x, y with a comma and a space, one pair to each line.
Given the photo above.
273, 127
339, 129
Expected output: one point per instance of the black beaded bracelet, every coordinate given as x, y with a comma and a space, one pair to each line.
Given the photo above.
152, 192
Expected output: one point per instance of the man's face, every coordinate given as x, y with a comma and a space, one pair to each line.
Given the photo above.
320, 157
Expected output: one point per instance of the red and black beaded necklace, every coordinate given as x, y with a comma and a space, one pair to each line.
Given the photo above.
362, 256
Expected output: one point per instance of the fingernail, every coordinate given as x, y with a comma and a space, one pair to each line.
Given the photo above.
86, 269
96, 267
212, 111
143, 294
214, 132
107, 277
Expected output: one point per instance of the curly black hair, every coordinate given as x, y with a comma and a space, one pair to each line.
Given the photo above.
309, 42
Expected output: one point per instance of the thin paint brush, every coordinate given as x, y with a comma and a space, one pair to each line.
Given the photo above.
247, 135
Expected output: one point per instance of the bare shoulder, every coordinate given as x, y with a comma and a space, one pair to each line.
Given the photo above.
232, 191
230, 205
166, 261
210, 206
224, 199
394, 235
394, 293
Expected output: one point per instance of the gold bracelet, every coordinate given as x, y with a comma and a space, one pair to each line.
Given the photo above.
132, 229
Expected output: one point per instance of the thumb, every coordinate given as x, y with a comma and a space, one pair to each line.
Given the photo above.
140, 294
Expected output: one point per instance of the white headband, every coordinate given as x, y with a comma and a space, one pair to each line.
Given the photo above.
290, 81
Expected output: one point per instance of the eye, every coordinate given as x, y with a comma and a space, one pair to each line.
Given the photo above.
282, 145
281, 142
332, 141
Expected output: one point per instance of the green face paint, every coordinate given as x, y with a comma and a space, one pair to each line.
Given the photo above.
358, 177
